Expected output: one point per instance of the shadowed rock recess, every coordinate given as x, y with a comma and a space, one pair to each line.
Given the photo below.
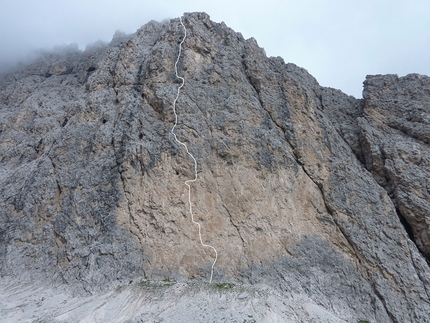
318, 203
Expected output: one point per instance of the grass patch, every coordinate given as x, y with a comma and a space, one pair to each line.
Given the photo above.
156, 284
119, 288
223, 286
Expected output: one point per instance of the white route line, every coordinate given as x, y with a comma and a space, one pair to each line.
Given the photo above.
189, 154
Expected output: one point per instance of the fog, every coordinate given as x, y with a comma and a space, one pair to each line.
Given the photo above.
338, 42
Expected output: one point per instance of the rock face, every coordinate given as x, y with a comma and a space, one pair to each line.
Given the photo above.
300, 188
395, 136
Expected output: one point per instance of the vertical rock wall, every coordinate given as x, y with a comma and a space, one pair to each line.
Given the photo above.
299, 187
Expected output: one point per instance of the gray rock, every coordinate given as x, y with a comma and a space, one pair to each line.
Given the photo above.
318, 198
395, 132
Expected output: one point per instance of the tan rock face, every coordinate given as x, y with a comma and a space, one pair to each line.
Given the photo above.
294, 188
238, 210
252, 198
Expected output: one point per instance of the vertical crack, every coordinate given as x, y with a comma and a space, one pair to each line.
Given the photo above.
353, 246
234, 224
124, 188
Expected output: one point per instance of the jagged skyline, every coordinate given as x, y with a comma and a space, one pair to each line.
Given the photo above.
316, 202
337, 42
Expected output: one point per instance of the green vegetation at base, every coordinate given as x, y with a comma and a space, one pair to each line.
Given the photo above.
119, 288
223, 286
154, 284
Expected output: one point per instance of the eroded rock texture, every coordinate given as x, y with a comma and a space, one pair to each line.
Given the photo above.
300, 187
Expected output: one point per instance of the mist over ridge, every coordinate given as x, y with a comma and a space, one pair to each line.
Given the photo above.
338, 43
317, 202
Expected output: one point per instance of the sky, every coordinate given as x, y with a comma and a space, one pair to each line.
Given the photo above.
339, 42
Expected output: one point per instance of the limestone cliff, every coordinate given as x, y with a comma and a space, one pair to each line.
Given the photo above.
308, 192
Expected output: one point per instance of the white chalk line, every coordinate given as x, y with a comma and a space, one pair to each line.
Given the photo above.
187, 183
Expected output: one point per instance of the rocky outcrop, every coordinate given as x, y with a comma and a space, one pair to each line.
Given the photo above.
395, 139
301, 189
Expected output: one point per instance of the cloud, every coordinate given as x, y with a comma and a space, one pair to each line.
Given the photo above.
338, 42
